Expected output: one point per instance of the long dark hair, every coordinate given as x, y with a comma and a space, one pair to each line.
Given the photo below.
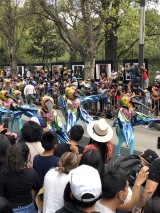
17, 158
93, 158
4, 148
102, 147
152, 205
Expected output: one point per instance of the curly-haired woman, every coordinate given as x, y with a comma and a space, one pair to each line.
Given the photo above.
32, 133
17, 181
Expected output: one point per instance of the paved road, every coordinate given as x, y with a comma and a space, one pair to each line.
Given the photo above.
144, 138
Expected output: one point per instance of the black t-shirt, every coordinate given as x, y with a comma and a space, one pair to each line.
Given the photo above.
42, 164
154, 175
16, 188
64, 147
71, 208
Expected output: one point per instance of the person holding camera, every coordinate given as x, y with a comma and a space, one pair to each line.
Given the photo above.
152, 187
135, 77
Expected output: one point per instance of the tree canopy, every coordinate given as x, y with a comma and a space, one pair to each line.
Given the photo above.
46, 30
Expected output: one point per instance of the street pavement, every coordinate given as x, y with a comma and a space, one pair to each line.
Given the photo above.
144, 138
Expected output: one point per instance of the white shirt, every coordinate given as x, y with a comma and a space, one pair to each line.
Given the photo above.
28, 74
8, 73
114, 75
54, 185
101, 208
29, 89
102, 90
35, 148
157, 77
75, 84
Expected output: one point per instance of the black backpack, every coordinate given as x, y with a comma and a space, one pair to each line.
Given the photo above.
129, 165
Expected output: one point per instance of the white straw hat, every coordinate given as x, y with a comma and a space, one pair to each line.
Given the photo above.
100, 130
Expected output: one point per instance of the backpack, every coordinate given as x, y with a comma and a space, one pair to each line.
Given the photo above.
129, 165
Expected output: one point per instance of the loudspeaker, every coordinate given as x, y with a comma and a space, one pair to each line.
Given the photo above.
158, 143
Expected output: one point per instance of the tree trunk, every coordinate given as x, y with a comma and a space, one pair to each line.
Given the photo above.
89, 66
12, 55
13, 60
88, 45
73, 54
111, 46
111, 49
10, 38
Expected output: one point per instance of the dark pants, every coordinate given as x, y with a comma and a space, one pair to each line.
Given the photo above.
29, 99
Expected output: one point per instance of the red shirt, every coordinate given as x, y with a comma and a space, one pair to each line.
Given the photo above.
145, 76
118, 101
109, 150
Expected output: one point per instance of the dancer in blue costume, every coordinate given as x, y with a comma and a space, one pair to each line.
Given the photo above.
71, 106
10, 105
17, 118
127, 118
7, 103
53, 119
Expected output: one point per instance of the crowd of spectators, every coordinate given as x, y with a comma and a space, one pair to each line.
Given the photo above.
112, 88
39, 175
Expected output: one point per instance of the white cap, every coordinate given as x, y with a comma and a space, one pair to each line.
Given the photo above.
85, 180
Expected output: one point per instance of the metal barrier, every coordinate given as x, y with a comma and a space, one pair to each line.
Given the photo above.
108, 105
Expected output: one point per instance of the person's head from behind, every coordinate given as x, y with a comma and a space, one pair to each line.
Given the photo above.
85, 186
76, 133
4, 148
67, 162
11, 139
100, 132
93, 158
31, 131
131, 64
152, 205
92, 81
5, 206
115, 186
119, 92
49, 140
17, 158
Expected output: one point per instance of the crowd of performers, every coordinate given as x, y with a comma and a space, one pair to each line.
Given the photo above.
12, 105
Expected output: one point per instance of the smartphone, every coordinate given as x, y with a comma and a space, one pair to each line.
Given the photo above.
44, 122
5, 122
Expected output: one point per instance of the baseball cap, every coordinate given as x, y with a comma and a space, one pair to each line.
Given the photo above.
149, 155
85, 180
74, 78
